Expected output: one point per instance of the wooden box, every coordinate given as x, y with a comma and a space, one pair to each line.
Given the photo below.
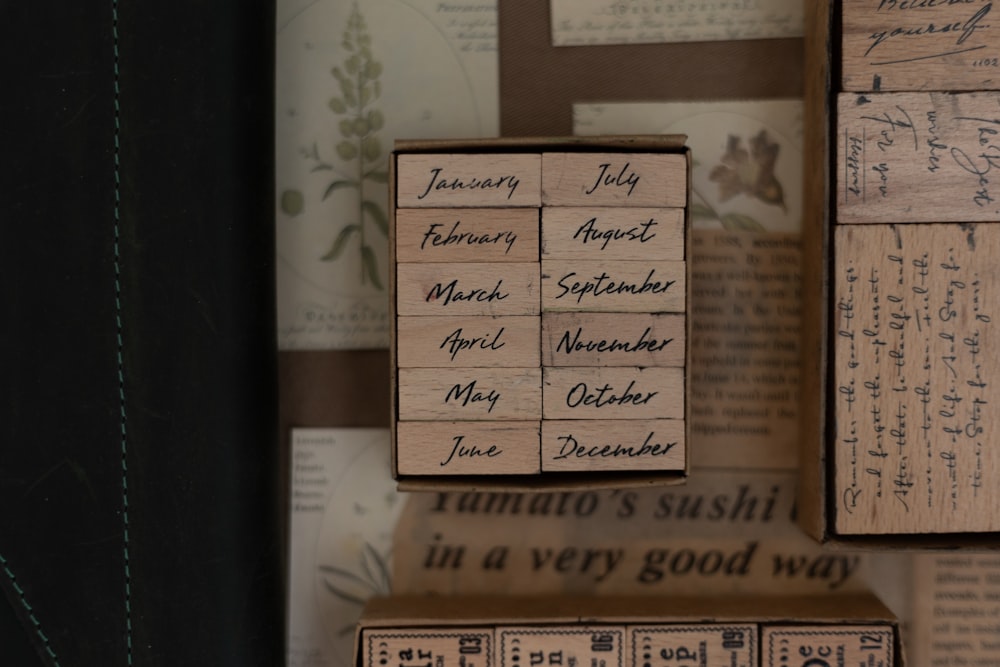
899, 410
538, 299
562, 631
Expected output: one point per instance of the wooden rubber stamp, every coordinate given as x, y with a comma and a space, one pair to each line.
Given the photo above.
538, 301
561, 646
827, 646
458, 647
706, 644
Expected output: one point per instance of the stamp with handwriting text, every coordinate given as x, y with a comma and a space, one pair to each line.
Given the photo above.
920, 45
467, 342
613, 339
477, 394
608, 233
618, 444
703, 645
468, 448
614, 179
827, 646
468, 647
467, 235
467, 288
561, 646
616, 287
915, 364
918, 157
613, 392
435, 180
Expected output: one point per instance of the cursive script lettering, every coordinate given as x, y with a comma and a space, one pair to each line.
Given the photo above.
602, 285
470, 395
581, 394
454, 237
572, 447
588, 232
439, 182
470, 452
620, 180
451, 293
457, 342
570, 343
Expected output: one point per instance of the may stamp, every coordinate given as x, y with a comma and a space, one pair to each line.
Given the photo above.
536, 284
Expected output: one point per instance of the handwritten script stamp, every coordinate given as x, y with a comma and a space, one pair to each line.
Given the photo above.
917, 407
918, 157
920, 45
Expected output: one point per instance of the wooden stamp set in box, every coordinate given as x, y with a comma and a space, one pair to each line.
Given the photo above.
902, 279
539, 300
626, 632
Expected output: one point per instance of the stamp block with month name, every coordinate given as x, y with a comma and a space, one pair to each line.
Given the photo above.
526, 301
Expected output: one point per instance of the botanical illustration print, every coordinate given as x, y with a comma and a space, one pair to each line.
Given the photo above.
352, 77
360, 120
742, 172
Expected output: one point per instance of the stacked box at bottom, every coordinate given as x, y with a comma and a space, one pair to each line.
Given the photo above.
848, 631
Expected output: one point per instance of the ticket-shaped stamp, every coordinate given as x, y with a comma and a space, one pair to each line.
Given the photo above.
468, 647
827, 646
703, 645
562, 646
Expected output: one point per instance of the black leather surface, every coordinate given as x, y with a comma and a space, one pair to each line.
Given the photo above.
140, 513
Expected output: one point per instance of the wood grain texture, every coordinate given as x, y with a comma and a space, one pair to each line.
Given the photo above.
613, 393
917, 411
613, 339
467, 235
440, 180
471, 288
703, 644
561, 646
919, 45
408, 647
614, 179
467, 341
918, 157
468, 448
607, 233
623, 286
818, 645
620, 444
490, 394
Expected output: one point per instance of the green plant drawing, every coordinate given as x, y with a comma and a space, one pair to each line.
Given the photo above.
359, 148
743, 172
355, 588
